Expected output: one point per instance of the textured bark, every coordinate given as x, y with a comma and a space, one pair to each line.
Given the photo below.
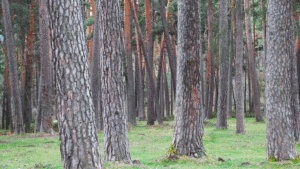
172, 61
239, 75
217, 90
150, 87
282, 100
223, 76
166, 87
28, 71
210, 65
116, 144
297, 87
45, 90
140, 87
231, 60
253, 75
187, 137
129, 68
79, 144
13, 69
96, 74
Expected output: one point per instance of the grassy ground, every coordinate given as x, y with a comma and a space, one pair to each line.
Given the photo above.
149, 145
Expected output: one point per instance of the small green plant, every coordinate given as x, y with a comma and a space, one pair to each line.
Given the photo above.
40, 165
296, 161
172, 150
273, 159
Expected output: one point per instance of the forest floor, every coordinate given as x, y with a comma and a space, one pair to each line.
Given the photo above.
149, 145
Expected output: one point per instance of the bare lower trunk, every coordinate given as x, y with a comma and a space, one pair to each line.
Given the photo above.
96, 74
187, 137
79, 144
13, 68
129, 68
223, 76
282, 100
239, 79
45, 92
116, 144
252, 70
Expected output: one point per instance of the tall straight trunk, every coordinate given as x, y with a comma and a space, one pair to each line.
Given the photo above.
147, 60
296, 81
282, 102
239, 79
217, 90
96, 74
150, 98
187, 137
254, 36
166, 87
210, 65
13, 68
45, 92
223, 76
172, 61
28, 81
231, 59
253, 75
136, 83
74, 106
140, 87
264, 38
129, 68
116, 144
172, 99
245, 92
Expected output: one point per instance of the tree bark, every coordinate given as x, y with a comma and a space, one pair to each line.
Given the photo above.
253, 75
45, 89
116, 144
13, 68
239, 79
79, 142
96, 72
210, 65
166, 87
217, 89
281, 99
223, 76
129, 68
141, 107
172, 61
187, 137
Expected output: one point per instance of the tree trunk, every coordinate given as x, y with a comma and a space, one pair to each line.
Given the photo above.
187, 137
116, 144
217, 89
231, 55
96, 74
129, 68
239, 79
140, 87
223, 76
210, 65
150, 99
79, 142
167, 100
253, 75
281, 99
172, 62
13, 68
149, 64
28, 71
45, 92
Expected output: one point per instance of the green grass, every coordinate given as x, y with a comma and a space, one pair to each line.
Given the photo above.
149, 145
